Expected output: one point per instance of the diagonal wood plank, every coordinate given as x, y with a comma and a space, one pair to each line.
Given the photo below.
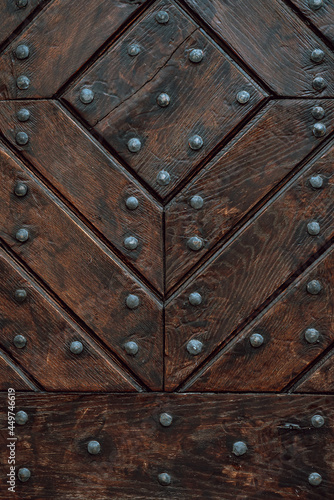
12, 15
322, 18
320, 380
12, 377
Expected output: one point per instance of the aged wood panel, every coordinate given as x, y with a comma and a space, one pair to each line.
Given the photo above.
321, 379
12, 15
248, 269
322, 18
81, 271
196, 450
60, 40
49, 334
285, 351
12, 377
91, 179
238, 177
272, 41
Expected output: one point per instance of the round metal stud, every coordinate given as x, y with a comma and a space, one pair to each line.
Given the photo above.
313, 287
21, 4
164, 479
319, 83
195, 142
315, 4
315, 479
23, 82
165, 419
195, 299
163, 178
132, 203
163, 100
317, 421
256, 340
131, 348
130, 242
23, 474
311, 335
313, 228
196, 202
196, 55
86, 96
239, 448
20, 341
316, 181
132, 301
22, 51
23, 115
22, 138
20, 189
22, 235
133, 49
195, 243
76, 347
317, 55
319, 130
318, 112
94, 447
21, 417
194, 347
243, 97
20, 295
162, 17
134, 145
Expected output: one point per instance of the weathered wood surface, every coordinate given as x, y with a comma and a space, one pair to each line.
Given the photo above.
12, 377
91, 179
249, 268
49, 333
61, 39
322, 18
12, 16
244, 172
285, 352
196, 450
321, 379
81, 271
272, 41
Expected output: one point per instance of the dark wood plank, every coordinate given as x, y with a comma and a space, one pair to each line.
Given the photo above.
238, 178
66, 155
285, 352
321, 379
49, 333
248, 269
196, 450
60, 41
272, 41
81, 271
322, 18
12, 15
11, 377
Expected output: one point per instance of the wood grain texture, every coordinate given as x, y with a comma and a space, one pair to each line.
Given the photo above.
196, 450
249, 268
12, 16
285, 353
81, 271
321, 379
91, 179
272, 41
247, 169
61, 39
322, 18
12, 377
49, 333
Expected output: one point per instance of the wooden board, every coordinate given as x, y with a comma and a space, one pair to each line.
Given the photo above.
12, 377
321, 379
322, 18
12, 16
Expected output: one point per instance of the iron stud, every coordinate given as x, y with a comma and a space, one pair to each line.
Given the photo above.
196, 202
319, 129
195, 243
311, 335
195, 299
194, 347
22, 51
163, 178
21, 417
319, 83
21, 4
314, 287
94, 447
86, 96
165, 419
131, 348
132, 301
256, 340
313, 228
317, 55
315, 479
132, 203
318, 112
23, 115
162, 17
20, 189
20, 341
134, 145
20, 295
23, 82
164, 479
76, 347
22, 138
163, 100
23, 474
22, 235
243, 97
195, 142
239, 448
317, 421
130, 242
133, 50
315, 4
316, 181
196, 55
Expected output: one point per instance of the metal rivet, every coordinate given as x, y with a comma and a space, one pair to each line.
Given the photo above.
195, 243
76, 347
243, 97
163, 178
239, 448
315, 479
256, 340
132, 301
316, 181
194, 347
134, 145
20, 189
22, 138
22, 52
163, 100
195, 299
23, 115
196, 55
21, 417
165, 419
196, 202
162, 17
131, 348
317, 55
20, 295
311, 335
86, 96
134, 49
195, 142
319, 83
20, 341
314, 287
23, 82
319, 129
94, 447
318, 112
22, 235
21, 4
132, 203
313, 228
317, 421
23, 474
315, 4
164, 479
130, 242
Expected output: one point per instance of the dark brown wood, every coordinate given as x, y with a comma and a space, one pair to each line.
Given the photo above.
321, 379
12, 377
322, 18
12, 16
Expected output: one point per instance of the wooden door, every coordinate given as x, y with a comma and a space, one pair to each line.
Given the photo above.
167, 249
